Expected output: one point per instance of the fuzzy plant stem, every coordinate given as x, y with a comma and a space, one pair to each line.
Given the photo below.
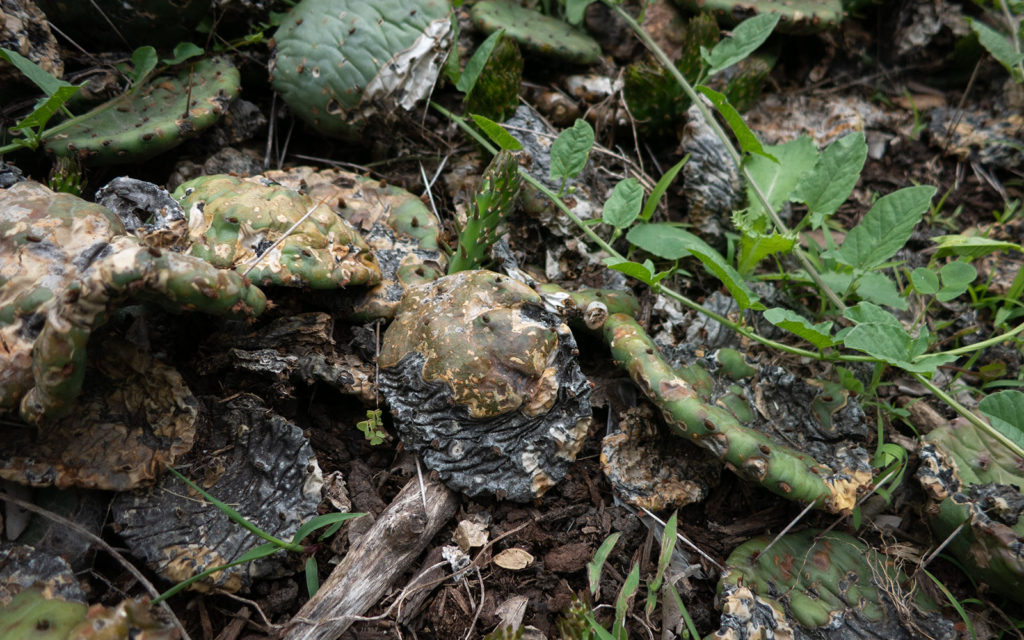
720, 133
750, 453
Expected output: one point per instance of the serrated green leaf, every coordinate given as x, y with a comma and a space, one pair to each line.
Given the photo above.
497, 133
925, 281
182, 52
47, 83
670, 242
892, 344
623, 205
1005, 412
998, 45
755, 246
659, 189
817, 334
746, 37
570, 150
469, 76
778, 179
880, 289
747, 139
143, 62
885, 228
834, 176
971, 246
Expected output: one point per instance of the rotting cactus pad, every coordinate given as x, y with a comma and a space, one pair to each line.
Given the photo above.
484, 384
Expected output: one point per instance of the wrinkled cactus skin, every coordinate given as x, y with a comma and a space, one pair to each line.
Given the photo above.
340, 62
820, 585
976, 482
753, 455
64, 265
149, 119
483, 383
232, 221
536, 32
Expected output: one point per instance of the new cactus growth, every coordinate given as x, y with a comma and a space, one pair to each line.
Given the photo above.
828, 585
684, 397
536, 32
975, 486
493, 202
341, 62
151, 118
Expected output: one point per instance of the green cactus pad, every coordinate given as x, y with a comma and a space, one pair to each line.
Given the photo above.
493, 202
798, 16
232, 221
716, 417
151, 118
976, 482
496, 92
536, 32
341, 62
33, 616
828, 585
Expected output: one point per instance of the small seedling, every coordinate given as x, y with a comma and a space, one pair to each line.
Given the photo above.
373, 427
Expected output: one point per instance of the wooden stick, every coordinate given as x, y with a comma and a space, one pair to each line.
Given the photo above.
373, 564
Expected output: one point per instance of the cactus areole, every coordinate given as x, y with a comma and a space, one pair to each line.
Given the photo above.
341, 62
484, 384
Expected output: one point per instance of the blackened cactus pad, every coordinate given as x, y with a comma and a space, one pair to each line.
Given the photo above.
483, 383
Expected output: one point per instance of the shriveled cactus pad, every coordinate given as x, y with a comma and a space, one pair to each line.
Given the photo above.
975, 481
65, 264
232, 222
33, 615
821, 585
341, 62
484, 384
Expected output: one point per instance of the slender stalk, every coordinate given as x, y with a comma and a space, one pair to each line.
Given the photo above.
984, 344
733, 153
970, 416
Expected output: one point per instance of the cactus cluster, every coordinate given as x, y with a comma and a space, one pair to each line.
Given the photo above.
341, 63
535, 32
813, 584
150, 118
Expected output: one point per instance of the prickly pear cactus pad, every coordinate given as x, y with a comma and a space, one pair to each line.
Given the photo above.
64, 265
535, 31
798, 16
135, 415
821, 585
232, 222
402, 232
711, 404
254, 460
151, 118
341, 62
976, 482
483, 383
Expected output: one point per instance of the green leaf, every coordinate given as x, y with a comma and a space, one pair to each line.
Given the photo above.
867, 312
574, 10
497, 133
623, 205
746, 37
37, 119
321, 521
599, 631
629, 589
597, 563
880, 289
643, 272
748, 141
312, 579
892, 344
476, 64
849, 380
39, 76
671, 242
829, 184
755, 246
182, 52
820, 335
660, 188
885, 228
956, 276
257, 552
1005, 412
999, 46
143, 62
668, 543
971, 246
778, 179
570, 151
925, 281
